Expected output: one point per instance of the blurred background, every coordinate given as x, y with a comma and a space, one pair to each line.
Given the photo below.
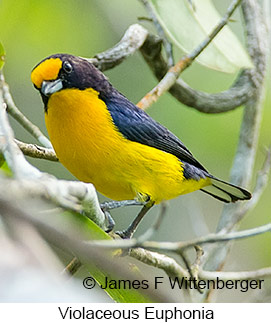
30, 30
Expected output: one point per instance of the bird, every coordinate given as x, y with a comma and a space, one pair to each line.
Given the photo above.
102, 138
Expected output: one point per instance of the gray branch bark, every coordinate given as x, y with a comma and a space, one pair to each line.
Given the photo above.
242, 170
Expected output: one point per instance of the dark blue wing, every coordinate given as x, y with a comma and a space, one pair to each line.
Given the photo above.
136, 125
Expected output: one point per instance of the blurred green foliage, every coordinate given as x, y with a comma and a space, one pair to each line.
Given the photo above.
30, 30
2, 56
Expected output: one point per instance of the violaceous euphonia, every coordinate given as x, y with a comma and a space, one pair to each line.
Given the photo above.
103, 138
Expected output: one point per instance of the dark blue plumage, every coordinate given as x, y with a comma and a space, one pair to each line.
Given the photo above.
138, 126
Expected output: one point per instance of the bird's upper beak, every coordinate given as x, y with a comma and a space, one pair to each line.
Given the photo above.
50, 87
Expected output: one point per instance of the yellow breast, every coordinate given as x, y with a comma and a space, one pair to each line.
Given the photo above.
89, 145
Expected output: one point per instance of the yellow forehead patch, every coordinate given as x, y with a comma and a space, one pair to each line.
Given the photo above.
46, 71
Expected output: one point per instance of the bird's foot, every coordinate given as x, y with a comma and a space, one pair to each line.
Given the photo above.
125, 234
110, 221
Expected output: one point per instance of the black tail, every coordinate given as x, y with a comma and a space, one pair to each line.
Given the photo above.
226, 192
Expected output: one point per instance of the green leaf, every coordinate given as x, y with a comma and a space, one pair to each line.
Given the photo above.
87, 229
2, 160
4, 166
188, 25
2, 56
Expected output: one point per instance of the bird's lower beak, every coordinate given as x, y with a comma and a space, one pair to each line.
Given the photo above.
50, 87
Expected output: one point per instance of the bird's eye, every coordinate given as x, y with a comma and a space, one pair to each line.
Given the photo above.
67, 67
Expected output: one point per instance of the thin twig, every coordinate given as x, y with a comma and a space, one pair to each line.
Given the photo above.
12, 154
188, 266
198, 260
161, 33
36, 151
21, 118
182, 245
173, 73
161, 261
215, 237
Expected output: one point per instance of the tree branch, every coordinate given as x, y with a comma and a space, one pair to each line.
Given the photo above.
18, 116
181, 245
161, 261
173, 73
132, 40
160, 31
241, 173
238, 94
35, 151
12, 154
242, 169
151, 50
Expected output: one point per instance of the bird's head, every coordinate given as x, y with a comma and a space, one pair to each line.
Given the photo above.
62, 71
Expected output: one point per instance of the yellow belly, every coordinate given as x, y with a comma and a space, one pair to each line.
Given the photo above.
90, 147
